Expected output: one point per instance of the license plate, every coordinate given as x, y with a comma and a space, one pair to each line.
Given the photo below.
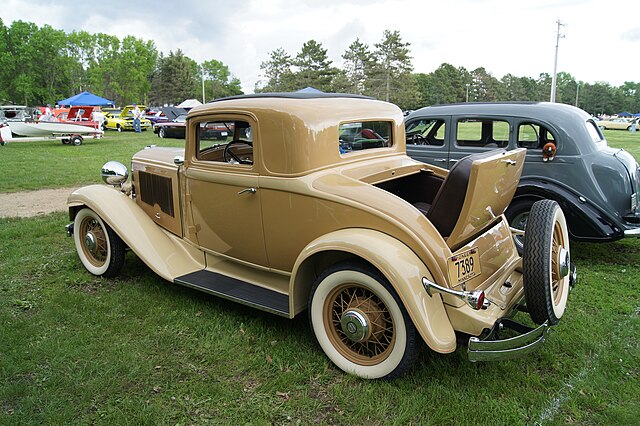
464, 266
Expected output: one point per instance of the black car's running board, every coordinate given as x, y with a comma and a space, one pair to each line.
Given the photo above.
237, 291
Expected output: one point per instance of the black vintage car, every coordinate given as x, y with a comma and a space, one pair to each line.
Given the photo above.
568, 160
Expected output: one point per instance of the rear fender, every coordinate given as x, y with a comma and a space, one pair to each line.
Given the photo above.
397, 263
165, 253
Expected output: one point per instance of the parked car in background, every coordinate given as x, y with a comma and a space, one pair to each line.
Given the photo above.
124, 120
616, 124
172, 129
379, 250
176, 129
568, 160
155, 117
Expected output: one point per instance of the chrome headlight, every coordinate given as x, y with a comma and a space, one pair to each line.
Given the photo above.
114, 173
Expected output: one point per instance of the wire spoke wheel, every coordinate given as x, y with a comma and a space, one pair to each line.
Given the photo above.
100, 249
360, 323
366, 347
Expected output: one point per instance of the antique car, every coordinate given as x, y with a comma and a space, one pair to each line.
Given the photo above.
568, 160
615, 124
287, 215
124, 120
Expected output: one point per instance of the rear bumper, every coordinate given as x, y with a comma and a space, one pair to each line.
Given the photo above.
492, 348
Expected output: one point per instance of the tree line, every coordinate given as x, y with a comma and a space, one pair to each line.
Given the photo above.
385, 71
40, 65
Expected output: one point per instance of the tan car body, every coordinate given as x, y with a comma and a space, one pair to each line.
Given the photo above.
303, 206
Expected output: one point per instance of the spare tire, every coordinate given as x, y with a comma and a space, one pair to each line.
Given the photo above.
546, 262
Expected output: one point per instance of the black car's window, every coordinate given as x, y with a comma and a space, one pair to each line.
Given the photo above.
482, 133
426, 132
364, 135
534, 136
225, 141
594, 132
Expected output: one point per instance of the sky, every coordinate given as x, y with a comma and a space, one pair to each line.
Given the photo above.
600, 38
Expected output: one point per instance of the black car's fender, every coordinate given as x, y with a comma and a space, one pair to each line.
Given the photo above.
586, 221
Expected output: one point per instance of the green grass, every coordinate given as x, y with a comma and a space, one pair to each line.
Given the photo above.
76, 349
50, 164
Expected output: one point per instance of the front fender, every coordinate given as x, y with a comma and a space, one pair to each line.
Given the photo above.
165, 253
399, 265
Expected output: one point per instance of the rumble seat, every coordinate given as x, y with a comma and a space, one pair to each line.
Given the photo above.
477, 190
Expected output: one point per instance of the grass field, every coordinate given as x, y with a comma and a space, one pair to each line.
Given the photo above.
138, 350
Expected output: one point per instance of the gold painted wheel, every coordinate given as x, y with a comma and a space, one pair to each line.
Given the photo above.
100, 249
360, 323
546, 262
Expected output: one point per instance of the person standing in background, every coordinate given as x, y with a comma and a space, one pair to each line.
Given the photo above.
137, 114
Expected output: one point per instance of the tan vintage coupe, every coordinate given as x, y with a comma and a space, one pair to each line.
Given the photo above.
311, 204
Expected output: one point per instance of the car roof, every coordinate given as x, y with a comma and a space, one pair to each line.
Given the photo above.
548, 111
302, 129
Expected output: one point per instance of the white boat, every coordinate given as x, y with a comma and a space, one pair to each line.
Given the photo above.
49, 128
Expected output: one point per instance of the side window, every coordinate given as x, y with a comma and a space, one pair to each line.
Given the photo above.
364, 135
228, 141
482, 133
426, 132
534, 136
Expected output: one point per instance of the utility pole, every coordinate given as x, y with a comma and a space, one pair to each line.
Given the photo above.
467, 91
202, 70
555, 62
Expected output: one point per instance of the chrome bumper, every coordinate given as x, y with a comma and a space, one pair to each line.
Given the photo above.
635, 232
492, 348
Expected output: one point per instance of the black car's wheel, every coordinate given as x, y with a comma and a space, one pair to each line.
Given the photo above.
100, 249
161, 133
119, 128
546, 262
517, 215
360, 323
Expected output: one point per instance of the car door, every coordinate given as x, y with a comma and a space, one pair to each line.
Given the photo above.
222, 190
428, 139
473, 134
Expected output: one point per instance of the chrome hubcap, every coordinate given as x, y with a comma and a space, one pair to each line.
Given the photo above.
564, 263
90, 242
355, 325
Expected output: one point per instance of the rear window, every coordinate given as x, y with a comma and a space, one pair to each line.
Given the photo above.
362, 135
594, 132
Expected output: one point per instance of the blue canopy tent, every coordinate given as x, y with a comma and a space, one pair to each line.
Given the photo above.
86, 98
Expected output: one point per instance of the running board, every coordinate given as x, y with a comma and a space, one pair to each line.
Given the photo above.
237, 291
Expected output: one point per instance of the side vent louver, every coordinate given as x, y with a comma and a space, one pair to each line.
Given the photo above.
154, 189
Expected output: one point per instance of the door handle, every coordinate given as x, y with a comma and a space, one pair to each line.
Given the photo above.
453, 161
440, 160
251, 190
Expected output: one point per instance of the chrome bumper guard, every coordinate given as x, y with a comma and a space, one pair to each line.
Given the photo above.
69, 229
492, 348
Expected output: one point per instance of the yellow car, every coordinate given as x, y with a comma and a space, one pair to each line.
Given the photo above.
124, 120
